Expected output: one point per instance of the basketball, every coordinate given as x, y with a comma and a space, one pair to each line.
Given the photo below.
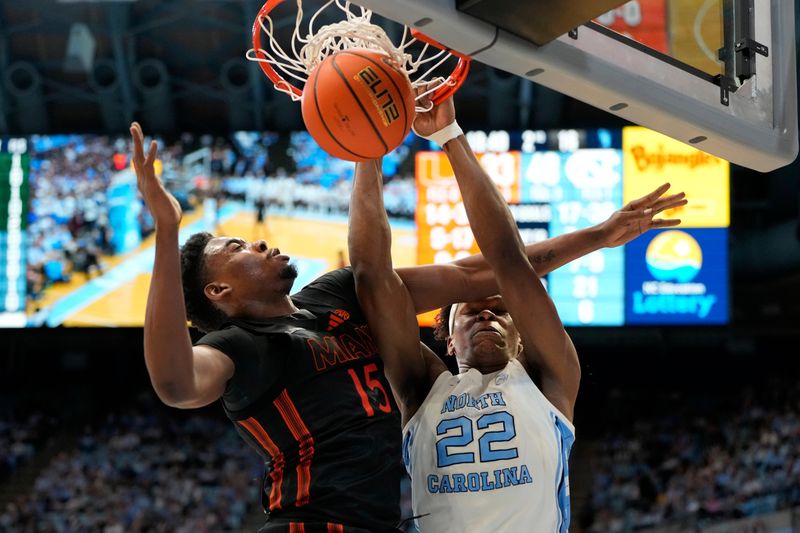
358, 105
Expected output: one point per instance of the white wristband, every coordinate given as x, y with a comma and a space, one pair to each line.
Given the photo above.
448, 133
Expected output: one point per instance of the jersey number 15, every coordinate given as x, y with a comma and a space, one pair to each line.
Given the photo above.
375, 387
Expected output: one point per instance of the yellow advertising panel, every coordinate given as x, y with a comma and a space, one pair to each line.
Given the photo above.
695, 33
650, 159
443, 232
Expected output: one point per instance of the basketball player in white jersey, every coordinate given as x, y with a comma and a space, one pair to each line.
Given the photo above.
487, 449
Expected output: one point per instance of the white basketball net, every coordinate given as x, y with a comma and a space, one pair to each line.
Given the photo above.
355, 32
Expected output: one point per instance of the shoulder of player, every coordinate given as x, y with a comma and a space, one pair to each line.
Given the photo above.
337, 280
227, 331
236, 341
548, 388
330, 292
210, 353
435, 366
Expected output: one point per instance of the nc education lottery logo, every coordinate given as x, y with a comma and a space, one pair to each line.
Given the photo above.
674, 256
674, 279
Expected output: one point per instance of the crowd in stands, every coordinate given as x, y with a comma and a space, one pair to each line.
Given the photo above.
303, 178
693, 464
142, 472
697, 467
74, 190
68, 226
287, 196
19, 440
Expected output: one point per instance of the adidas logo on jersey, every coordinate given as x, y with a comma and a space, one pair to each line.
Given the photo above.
337, 318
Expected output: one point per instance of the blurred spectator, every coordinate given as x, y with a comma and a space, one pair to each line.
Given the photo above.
694, 468
139, 472
19, 440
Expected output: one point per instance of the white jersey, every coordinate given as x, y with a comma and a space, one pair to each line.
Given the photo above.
488, 453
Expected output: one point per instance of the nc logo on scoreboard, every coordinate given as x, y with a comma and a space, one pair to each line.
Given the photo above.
677, 277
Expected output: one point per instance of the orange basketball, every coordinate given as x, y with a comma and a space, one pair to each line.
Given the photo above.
357, 105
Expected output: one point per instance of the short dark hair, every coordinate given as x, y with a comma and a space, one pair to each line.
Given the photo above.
203, 314
442, 328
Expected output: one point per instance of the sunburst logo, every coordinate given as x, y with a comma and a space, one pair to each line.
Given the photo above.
674, 256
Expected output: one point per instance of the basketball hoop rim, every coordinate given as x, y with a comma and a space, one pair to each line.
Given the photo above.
442, 93
270, 72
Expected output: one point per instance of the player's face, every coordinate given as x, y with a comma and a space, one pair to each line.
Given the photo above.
251, 269
483, 332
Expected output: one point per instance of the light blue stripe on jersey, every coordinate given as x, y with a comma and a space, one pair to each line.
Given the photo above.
565, 438
408, 440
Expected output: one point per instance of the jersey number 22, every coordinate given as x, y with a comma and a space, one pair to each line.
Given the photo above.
501, 429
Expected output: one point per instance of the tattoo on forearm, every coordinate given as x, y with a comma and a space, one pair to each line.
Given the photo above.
545, 258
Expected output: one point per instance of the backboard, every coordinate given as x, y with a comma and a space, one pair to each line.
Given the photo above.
716, 74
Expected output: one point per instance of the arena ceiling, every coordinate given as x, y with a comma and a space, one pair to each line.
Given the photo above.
85, 66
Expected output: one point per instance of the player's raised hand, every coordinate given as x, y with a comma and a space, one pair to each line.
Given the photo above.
637, 216
438, 116
163, 206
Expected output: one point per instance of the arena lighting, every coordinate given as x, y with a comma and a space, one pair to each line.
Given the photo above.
81, 46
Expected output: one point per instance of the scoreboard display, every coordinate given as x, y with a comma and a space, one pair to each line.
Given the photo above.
554, 181
584, 188
560, 181
13, 221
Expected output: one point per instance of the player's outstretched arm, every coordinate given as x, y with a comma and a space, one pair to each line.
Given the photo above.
547, 348
381, 293
495, 231
181, 376
471, 278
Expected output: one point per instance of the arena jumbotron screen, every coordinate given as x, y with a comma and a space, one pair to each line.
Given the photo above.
76, 245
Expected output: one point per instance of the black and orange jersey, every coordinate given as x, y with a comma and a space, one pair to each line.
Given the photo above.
310, 395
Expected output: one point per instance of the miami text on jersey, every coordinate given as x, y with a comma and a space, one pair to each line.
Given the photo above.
334, 350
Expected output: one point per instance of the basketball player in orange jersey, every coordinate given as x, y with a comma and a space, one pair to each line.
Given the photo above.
299, 376
487, 449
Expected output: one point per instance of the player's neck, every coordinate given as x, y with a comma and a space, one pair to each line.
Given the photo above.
262, 310
484, 368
